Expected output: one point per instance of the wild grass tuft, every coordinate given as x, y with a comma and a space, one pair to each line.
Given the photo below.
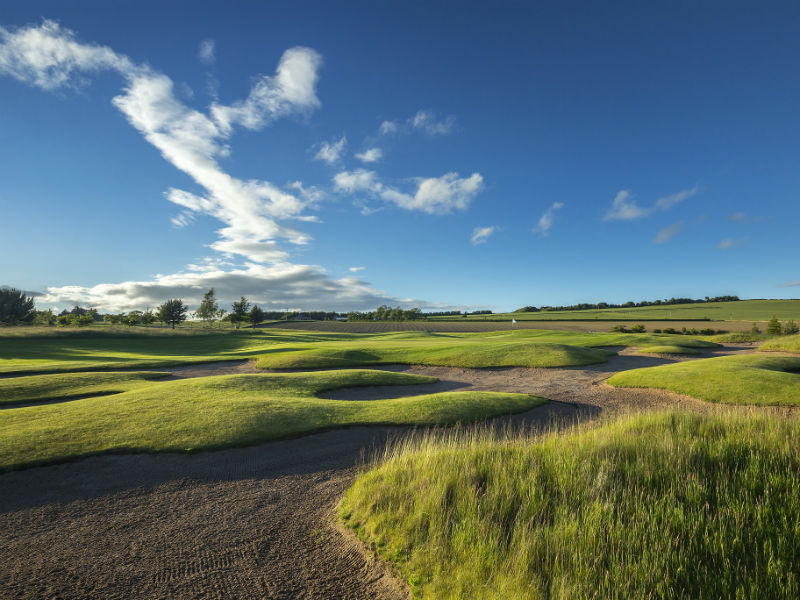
657, 506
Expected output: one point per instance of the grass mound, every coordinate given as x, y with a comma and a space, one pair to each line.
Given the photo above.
657, 506
232, 410
668, 349
469, 355
737, 337
33, 388
789, 343
743, 379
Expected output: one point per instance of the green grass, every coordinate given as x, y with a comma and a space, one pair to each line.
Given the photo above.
657, 506
789, 343
668, 349
53, 350
743, 379
15, 390
737, 337
234, 410
744, 310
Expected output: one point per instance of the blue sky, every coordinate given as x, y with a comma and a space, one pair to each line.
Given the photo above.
343, 155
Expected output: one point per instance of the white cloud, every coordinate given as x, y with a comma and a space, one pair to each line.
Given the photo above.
434, 195
745, 219
667, 233
790, 284
206, 51
424, 120
356, 269
331, 152
273, 287
730, 243
388, 127
668, 202
625, 208
370, 156
481, 235
546, 220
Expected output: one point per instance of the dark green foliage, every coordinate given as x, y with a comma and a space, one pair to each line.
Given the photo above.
790, 328
774, 326
629, 304
15, 307
209, 307
638, 329
172, 312
239, 311
256, 315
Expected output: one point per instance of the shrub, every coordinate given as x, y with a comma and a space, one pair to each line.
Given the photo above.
620, 329
656, 331
774, 326
790, 328
638, 328
671, 330
707, 331
755, 329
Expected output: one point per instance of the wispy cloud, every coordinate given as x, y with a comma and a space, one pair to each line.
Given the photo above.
790, 284
744, 219
433, 195
356, 269
481, 234
424, 120
730, 243
372, 155
207, 52
665, 234
624, 207
547, 218
331, 152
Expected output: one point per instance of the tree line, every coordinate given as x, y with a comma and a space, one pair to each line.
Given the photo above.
629, 304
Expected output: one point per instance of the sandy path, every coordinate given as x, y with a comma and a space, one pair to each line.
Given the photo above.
245, 523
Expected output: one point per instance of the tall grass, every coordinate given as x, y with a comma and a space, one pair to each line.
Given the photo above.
658, 506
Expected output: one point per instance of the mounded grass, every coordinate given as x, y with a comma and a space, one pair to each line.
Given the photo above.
234, 410
656, 506
668, 349
789, 343
53, 350
743, 379
63, 386
737, 337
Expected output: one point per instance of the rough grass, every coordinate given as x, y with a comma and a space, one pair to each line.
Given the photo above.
34, 388
789, 343
668, 349
657, 506
737, 337
743, 379
223, 411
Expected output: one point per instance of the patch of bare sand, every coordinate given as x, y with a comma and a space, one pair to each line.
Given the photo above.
252, 522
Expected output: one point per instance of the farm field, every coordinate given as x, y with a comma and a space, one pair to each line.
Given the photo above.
743, 310
172, 426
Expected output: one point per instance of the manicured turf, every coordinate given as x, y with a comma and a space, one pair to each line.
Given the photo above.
233, 410
789, 343
56, 351
744, 310
658, 506
668, 349
744, 379
14, 390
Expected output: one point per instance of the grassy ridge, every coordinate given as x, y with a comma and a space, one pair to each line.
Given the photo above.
91, 351
744, 379
789, 343
744, 310
223, 411
658, 506
32, 388
668, 349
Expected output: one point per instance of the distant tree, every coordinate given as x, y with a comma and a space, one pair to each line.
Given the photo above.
15, 307
44, 317
755, 329
148, 318
134, 317
221, 314
239, 311
256, 315
209, 307
172, 312
774, 326
790, 328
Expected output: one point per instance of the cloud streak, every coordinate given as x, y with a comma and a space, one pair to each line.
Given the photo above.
665, 234
624, 206
547, 219
481, 234
424, 120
